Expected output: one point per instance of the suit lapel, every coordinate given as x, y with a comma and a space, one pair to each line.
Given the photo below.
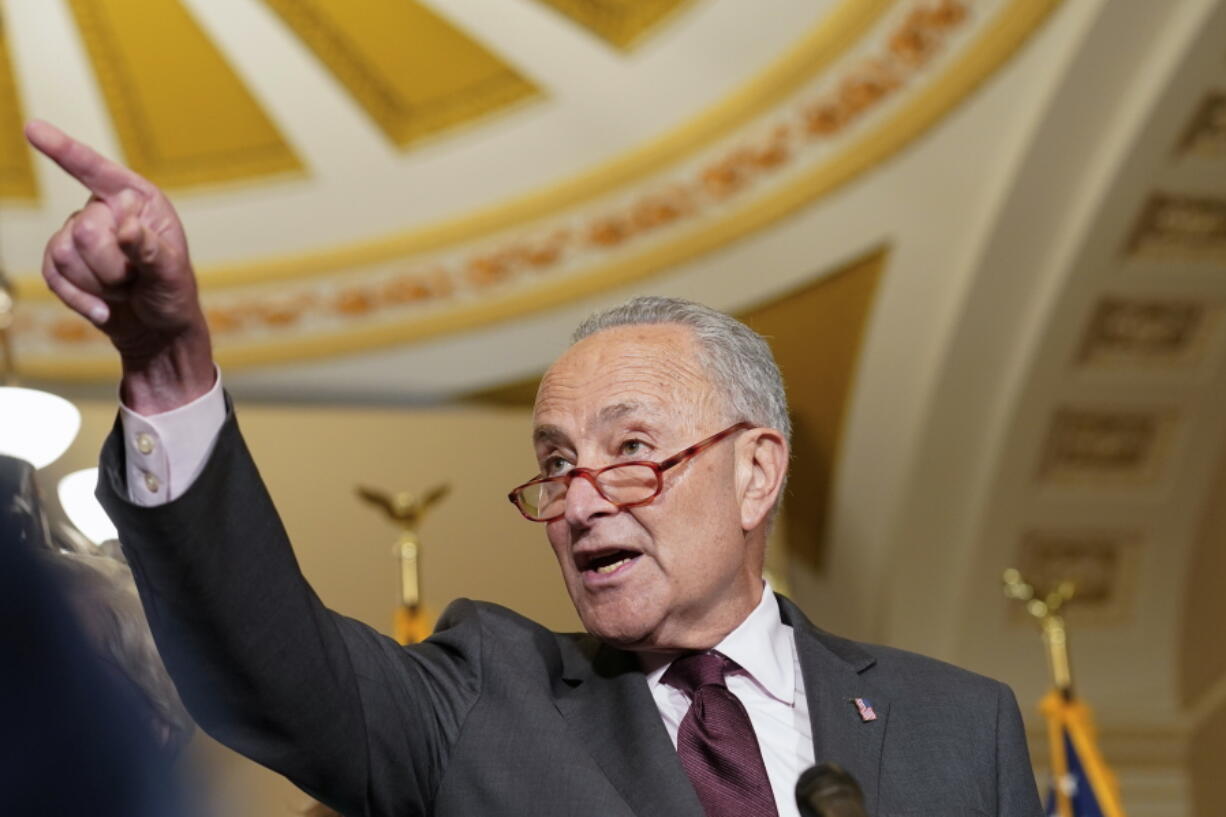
834, 672
610, 711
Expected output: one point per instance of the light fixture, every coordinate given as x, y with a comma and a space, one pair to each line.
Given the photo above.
76, 492
35, 426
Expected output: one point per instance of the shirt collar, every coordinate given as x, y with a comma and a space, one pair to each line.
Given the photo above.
762, 645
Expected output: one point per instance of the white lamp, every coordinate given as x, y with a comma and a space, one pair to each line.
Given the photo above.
81, 507
36, 426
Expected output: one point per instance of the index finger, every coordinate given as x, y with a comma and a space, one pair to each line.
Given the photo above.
99, 174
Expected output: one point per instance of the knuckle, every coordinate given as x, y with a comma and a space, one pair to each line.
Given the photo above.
62, 253
130, 201
85, 231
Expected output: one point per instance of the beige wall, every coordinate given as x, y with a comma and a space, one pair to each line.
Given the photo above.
1206, 752
475, 543
1203, 651
1203, 656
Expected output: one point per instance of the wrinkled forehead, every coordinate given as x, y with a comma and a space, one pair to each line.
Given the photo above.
652, 372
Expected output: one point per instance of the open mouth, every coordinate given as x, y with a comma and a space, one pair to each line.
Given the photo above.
605, 562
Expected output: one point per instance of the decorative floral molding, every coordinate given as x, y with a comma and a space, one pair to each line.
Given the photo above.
1180, 227
1206, 133
1104, 445
1144, 330
907, 72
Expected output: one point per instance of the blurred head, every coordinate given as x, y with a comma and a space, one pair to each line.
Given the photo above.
643, 382
102, 594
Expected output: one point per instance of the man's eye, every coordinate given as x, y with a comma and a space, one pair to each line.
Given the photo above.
631, 448
554, 466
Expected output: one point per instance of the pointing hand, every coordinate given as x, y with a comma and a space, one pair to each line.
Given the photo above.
122, 263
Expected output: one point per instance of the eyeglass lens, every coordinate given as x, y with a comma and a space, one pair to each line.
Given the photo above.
621, 485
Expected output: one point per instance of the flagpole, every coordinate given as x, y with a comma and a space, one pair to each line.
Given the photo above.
1055, 638
1046, 610
411, 621
1077, 765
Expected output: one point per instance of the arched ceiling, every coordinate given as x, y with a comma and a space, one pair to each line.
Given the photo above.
395, 172
1039, 373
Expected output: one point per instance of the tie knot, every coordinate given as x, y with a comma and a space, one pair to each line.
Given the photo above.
690, 672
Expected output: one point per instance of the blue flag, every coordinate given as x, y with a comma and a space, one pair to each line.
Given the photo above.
1082, 785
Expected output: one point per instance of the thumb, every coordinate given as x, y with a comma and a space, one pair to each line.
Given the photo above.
141, 245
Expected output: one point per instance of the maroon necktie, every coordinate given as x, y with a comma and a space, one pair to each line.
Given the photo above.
716, 741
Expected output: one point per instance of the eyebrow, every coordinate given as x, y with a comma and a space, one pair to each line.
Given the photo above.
549, 434
618, 410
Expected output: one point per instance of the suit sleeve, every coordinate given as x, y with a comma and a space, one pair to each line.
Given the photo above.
1016, 793
349, 715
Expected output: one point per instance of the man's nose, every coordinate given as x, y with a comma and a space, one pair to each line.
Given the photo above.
584, 503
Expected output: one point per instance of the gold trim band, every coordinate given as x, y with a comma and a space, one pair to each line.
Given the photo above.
837, 32
1000, 39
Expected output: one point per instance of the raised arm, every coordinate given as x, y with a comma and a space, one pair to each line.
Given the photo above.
121, 261
260, 662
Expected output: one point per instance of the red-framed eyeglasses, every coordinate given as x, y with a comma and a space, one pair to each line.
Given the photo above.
624, 484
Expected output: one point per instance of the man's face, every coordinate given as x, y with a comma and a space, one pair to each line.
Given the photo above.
673, 574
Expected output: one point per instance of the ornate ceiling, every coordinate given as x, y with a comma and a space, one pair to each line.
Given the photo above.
358, 175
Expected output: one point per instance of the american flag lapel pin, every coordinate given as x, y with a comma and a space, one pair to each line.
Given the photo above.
865, 709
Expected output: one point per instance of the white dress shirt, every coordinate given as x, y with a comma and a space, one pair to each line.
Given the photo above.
769, 685
166, 452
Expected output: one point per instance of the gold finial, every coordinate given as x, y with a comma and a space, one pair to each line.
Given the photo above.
406, 510
1045, 608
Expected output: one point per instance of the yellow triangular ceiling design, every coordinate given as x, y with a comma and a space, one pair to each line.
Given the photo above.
816, 332
182, 115
411, 70
618, 22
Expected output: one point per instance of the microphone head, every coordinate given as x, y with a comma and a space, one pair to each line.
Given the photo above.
829, 790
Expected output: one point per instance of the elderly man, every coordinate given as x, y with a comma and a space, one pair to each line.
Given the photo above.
662, 439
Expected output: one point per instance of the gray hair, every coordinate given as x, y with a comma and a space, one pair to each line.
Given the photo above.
738, 359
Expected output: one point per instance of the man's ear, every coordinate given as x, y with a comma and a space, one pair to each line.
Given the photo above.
762, 464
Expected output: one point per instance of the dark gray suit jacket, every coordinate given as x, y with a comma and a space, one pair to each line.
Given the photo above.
495, 715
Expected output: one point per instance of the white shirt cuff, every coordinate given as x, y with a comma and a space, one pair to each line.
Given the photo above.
166, 452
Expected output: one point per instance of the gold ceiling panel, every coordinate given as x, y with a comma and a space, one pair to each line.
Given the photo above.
816, 333
182, 115
411, 70
1102, 564
1206, 133
619, 22
1140, 330
16, 169
1102, 446
1180, 227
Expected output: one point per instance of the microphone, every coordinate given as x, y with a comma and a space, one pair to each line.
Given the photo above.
828, 790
